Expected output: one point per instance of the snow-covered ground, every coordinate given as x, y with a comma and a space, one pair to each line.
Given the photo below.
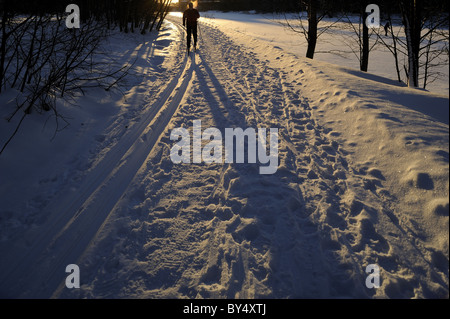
363, 178
337, 45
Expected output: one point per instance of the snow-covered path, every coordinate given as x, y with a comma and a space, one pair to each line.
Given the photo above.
79, 213
140, 226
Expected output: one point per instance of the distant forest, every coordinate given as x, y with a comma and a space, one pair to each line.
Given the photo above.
129, 15
331, 6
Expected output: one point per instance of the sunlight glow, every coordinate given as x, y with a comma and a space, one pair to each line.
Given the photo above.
176, 14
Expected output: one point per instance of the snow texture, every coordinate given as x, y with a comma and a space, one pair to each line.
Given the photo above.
362, 179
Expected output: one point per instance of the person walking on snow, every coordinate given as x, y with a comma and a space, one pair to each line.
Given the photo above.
190, 17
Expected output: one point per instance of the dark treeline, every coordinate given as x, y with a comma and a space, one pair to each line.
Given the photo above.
331, 6
129, 15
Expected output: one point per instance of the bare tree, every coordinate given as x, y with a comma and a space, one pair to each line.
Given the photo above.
392, 41
423, 44
359, 41
433, 54
412, 19
311, 13
45, 61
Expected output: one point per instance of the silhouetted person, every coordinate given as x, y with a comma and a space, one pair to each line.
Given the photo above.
190, 17
386, 28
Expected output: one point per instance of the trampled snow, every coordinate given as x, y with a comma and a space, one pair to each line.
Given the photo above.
363, 177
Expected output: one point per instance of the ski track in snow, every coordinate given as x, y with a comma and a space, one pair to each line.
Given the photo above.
67, 235
140, 226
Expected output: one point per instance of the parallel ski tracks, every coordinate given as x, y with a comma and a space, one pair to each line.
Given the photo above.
77, 216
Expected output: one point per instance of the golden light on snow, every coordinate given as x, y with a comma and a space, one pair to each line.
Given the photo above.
176, 14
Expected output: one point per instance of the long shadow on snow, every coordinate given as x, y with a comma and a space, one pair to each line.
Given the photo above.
272, 221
